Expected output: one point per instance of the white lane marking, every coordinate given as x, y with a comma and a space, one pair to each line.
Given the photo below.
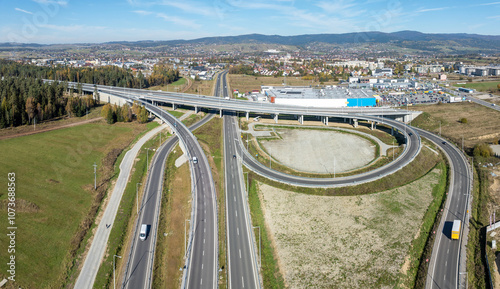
201, 281
238, 231
203, 240
243, 282
235, 198
203, 252
236, 213
445, 277
448, 252
240, 253
204, 230
201, 266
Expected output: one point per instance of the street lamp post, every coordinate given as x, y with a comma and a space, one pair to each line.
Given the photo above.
114, 275
95, 176
185, 244
260, 242
147, 158
137, 196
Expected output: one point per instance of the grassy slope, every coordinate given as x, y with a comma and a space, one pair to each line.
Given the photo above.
483, 123
54, 172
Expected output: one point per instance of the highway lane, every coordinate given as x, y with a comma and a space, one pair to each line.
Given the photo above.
446, 259
241, 254
202, 262
202, 257
139, 269
138, 273
483, 103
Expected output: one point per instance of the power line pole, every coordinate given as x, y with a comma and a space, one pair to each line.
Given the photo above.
95, 176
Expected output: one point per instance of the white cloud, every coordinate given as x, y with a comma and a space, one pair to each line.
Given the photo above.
431, 9
24, 11
492, 3
494, 17
72, 28
335, 6
46, 2
179, 21
190, 7
142, 12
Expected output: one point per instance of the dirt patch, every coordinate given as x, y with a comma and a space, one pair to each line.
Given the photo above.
22, 206
27, 130
346, 242
320, 151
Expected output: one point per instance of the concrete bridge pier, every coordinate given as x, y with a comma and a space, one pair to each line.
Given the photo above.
301, 119
174, 106
355, 122
196, 110
325, 120
247, 115
220, 113
276, 118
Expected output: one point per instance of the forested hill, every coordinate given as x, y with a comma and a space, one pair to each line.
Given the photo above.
106, 75
428, 42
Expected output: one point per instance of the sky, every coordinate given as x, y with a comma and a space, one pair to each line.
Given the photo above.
92, 21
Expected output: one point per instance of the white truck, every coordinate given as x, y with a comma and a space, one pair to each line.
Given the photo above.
144, 232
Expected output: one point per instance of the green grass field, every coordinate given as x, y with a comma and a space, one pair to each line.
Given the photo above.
54, 184
490, 86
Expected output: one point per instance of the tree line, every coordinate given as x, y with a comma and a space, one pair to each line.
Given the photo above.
125, 113
26, 100
104, 75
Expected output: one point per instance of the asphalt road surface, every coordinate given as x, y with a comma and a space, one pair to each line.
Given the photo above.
447, 254
242, 261
139, 270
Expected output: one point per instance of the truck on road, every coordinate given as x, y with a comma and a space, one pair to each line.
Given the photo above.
455, 230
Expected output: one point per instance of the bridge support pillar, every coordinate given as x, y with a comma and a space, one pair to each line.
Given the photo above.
301, 119
247, 115
174, 106
355, 120
392, 130
324, 120
196, 109
276, 118
220, 113
372, 125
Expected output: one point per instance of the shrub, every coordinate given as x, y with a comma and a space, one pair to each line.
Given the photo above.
463, 120
483, 150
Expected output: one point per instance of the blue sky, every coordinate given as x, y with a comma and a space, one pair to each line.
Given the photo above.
80, 21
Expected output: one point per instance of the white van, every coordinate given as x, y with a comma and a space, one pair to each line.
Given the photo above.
144, 232
195, 160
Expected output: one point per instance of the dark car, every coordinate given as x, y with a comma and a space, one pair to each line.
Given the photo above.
234, 156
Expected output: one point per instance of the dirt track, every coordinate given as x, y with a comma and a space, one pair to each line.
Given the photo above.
14, 134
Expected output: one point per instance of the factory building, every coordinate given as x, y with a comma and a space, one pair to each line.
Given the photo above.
320, 97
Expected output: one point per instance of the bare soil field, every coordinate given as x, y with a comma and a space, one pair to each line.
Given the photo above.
320, 151
245, 83
345, 242
483, 124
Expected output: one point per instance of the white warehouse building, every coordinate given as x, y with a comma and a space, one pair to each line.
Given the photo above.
322, 97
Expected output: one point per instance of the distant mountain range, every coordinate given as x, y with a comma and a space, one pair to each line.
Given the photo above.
425, 42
